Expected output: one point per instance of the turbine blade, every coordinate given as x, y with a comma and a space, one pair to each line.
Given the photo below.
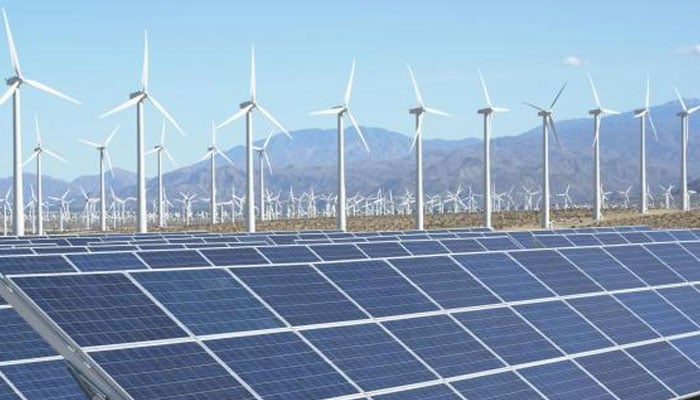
11, 45
646, 99
328, 111
33, 156
273, 120
9, 92
556, 98
124, 105
267, 141
237, 115
162, 133
416, 89
144, 70
653, 126
224, 156
267, 161
550, 121
151, 151
419, 131
50, 90
109, 164
610, 112
170, 156
54, 155
111, 135
205, 156
348, 89
534, 106
252, 74
37, 130
499, 109
357, 128
89, 143
597, 132
692, 110
435, 111
165, 113
680, 99
486, 91
595, 92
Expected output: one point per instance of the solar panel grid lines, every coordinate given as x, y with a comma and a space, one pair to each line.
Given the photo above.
8, 391
39, 380
566, 380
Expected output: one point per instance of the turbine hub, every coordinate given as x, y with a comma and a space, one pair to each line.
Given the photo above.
247, 103
11, 81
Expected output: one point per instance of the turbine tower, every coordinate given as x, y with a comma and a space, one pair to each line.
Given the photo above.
547, 122
643, 114
160, 149
137, 99
684, 114
38, 151
104, 156
418, 111
246, 108
597, 114
341, 111
487, 112
263, 157
15, 83
212, 151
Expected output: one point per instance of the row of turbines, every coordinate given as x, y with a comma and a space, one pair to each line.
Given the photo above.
341, 112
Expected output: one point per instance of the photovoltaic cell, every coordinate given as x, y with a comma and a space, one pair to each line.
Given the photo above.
106, 261
18, 340
610, 238
552, 241
644, 264
385, 249
208, 301
6, 392
564, 381
682, 235
503, 386
604, 269
660, 236
299, 294
679, 260
556, 272
583, 239
462, 245
240, 256
288, 254
504, 276
173, 259
44, 380
424, 247
34, 265
686, 299
636, 237
670, 366
690, 347
498, 243
176, 371
508, 335
445, 281
437, 392
657, 312
99, 309
625, 378
369, 356
338, 252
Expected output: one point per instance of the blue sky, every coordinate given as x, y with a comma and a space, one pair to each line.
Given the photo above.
92, 50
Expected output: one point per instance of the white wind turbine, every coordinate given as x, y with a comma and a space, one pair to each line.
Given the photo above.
340, 111
547, 122
160, 149
246, 108
212, 151
263, 158
15, 83
104, 156
137, 99
63, 204
418, 111
684, 114
39, 150
643, 114
597, 114
487, 112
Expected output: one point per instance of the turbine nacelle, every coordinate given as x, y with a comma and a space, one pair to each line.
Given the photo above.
12, 80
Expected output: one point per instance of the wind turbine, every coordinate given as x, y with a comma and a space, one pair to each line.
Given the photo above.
487, 112
684, 114
418, 111
137, 99
37, 153
160, 149
15, 83
246, 108
212, 151
597, 114
63, 208
643, 114
341, 111
263, 157
547, 122
104, 156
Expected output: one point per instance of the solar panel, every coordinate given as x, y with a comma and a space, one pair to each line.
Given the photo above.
686, 299
613, 319
462, 245
99, 309
563, 326
377, 287
338, 252
683, 235
369, 356
444, 345
289, 254
603, 268
497, 243
208, 301
508, 335
669, 366
644, 264
503, 386
564, 381
6, 392
437, 392
175, 371
660, 236
59, 250
556, 272
548, 241
173, 259
424, 247
34, 265
690, 347
18, 340
240, 256
16, 251
504, 276
281, 366
678, 259
299, 294
445, 281
657, 312
383, 249
636, 237
106, 261
44, 380
610, 238
622, 376
583, 239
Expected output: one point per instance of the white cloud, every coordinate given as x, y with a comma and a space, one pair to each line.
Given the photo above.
690, 50
572, 61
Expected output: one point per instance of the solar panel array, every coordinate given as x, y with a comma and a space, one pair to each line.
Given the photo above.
594, 313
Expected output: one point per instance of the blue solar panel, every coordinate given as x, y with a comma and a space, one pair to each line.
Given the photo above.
241, 256
552, 241
565, 381
669, 366
613, 319
34, 265
176, 371
678, 259
610, 238
682, 235
627, 380
636, 237
44, 380
281, 366
385, 249
445, 281
208, 301
462, 245
508, 335
15, 251
644, 264
690, 347
173, 259
504, 276
498, 243
583, 239
6, 392
59, 250
18, 340
338, 252
110, 248
369, 356
160, 246
106, 261
604, 269
563, 326
660, 236
424, 247
556, 272
686, 299
437, 392
444, 345
288, 254
299, 294
503, 386
99, 309
657, 312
